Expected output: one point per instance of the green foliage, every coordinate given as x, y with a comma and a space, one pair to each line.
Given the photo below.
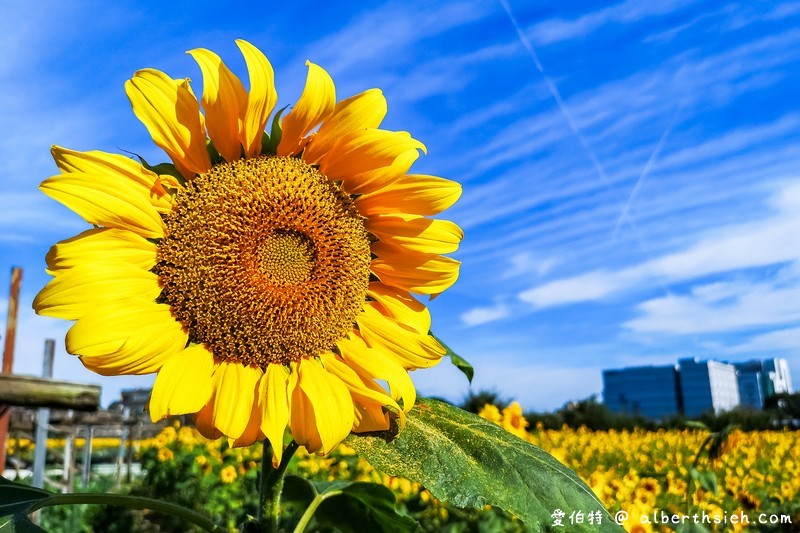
475, 401
458, 361
470, 462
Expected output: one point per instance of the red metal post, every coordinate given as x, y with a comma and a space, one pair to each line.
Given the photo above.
8, 354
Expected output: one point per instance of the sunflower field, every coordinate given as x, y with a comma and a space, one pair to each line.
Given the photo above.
641, 476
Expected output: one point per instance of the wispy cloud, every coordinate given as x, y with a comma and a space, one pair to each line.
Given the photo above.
557, 29
752, 244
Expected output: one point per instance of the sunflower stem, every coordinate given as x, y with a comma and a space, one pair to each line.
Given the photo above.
271, 486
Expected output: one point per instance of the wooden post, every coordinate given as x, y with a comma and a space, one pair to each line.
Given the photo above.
66, 477
28, 391
8, 355
43, 420
87, 456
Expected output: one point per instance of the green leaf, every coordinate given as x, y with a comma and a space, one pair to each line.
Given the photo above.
471, 462
16, 498
298, 489
696, 425
167, 169
19, 523
459, 362
707, 480
363, 507
269, 144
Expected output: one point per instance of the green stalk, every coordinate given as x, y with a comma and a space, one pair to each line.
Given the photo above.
311, 509
131, 502
271, 486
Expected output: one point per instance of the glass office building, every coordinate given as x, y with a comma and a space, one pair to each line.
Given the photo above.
649, 391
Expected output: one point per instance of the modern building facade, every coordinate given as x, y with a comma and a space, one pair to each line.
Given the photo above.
649, 391
694, 387
760, 379
707, 386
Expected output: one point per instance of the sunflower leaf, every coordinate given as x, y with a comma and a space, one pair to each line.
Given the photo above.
458, 361
269, 143
16, 498
470, 462
363, 507
18, 523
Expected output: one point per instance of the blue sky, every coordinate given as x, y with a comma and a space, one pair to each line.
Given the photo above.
631, 170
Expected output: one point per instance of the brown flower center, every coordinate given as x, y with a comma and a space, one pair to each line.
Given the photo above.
264, 261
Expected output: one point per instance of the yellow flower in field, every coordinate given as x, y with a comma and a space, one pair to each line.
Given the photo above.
228, 474
513, 421
267, 280
165, 454
491, 412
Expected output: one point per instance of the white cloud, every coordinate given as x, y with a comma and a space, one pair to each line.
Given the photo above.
482, 315
719, 307
556, 30
783, 340
752, 244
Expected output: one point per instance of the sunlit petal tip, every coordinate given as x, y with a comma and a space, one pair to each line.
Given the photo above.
261, 98
314, 105
224, 99
171, 114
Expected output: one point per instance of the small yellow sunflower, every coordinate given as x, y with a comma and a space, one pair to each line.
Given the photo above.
266, 279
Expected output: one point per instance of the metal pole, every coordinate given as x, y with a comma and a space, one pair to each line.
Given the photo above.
8, 355
87, 456
43, 420
123, 438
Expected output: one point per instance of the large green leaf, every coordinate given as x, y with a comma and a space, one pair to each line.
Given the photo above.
470, 462
16, 498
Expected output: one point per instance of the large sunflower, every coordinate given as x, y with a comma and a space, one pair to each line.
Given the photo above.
266, 279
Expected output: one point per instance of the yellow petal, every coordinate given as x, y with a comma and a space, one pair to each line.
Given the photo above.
131, 336
379, 364
101, 244
359, 390
367, 160
370, 417
204, 422
183, 384
260, 100
415, 233
418, 273
409, 347
322, 409
414, 193
171, 114
252, 433
223, 100
81, 289
313, 106
273, 399
114, 166
401, 306
106, 201
359, 112
234, 394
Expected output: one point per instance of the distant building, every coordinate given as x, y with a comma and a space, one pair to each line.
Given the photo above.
760, 379
133, 399
707, 386
649, 391
694, 387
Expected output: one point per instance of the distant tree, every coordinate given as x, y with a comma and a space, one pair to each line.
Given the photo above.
474, 401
